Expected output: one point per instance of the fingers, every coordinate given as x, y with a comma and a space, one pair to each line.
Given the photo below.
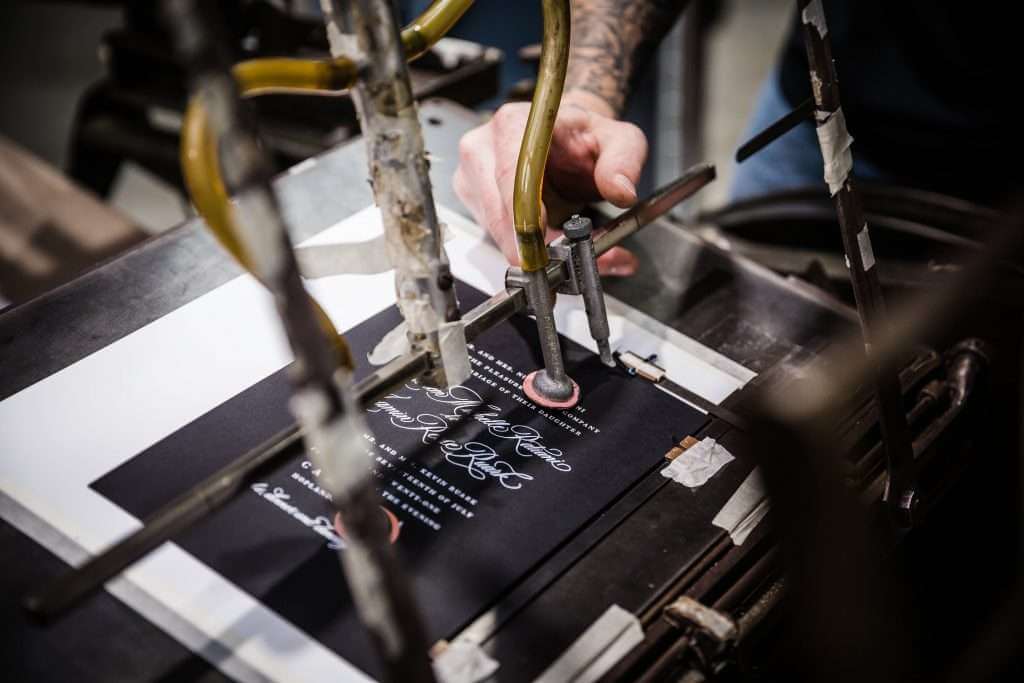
589, 153
617, 262
475, 183
622, 151
508, 125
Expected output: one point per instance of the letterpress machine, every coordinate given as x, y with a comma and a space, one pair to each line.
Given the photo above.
521, 475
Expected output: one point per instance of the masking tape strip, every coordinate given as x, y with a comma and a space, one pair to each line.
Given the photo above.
451, 342
463, 661
814, 15
698, 463
744, 510
867, 254
835, 144
602, 646
392, 345
645, 369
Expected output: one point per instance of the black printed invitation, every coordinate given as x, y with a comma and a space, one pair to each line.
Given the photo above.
479, 485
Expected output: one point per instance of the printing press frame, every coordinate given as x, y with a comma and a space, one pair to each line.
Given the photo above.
651, 544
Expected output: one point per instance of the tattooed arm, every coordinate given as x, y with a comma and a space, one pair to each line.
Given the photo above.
593, 156
611, 41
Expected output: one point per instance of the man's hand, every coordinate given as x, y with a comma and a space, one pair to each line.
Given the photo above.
592, 157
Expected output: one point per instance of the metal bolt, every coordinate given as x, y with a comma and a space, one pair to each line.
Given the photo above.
445, 281
578, 228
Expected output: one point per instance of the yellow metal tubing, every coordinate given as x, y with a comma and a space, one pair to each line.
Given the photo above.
431, 26
282, 74
533, 153
199, 158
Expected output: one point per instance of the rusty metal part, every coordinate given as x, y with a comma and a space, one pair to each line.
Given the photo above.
399, 176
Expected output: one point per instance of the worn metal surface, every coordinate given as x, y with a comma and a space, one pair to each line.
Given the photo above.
383, 97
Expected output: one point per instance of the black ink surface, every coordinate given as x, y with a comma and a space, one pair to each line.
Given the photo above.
481, 484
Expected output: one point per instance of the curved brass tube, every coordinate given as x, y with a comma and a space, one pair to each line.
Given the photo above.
199, 158
283, 74
533, 154
430, 27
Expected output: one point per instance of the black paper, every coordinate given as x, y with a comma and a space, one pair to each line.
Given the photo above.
482, 484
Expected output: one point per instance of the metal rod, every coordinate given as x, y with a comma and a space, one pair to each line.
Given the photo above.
399, 176
321, 401
579, 231
538, 293
776, 130
867, 290
56, 598
533, 153
550, 386
206, 497
655, 206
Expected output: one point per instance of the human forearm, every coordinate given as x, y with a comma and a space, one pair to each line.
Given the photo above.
611, 40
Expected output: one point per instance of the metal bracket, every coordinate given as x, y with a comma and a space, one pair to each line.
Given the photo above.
685, 611
515, 278
561, 250
710, 653
560, 260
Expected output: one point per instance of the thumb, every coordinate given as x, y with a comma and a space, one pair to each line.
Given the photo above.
622, 151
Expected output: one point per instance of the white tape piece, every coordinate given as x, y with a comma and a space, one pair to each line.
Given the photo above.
394, 344
343, 258
696, 465
744, 510
463, 661
368, 257
451, 342
452, 52
814, 15
835, 144
602, 645
867, 254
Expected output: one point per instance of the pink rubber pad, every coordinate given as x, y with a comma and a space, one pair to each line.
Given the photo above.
534, 395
